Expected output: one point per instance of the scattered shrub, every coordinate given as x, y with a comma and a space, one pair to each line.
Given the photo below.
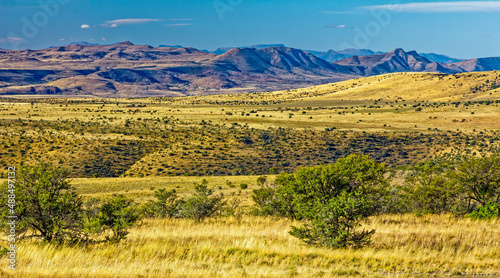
203, 203
116, 214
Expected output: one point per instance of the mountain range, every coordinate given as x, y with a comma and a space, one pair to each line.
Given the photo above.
128, 70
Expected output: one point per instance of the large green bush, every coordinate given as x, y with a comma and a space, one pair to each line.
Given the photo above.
430, 188
332, 200
46, 205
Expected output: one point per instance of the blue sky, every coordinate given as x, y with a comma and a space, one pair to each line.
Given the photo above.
463, 29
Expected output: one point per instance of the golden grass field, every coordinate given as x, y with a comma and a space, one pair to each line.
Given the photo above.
142, 189
364, 104
403, 246
248, 246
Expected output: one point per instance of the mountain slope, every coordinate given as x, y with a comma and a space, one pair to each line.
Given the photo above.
128, 70
396, 61
125, 69
438, 58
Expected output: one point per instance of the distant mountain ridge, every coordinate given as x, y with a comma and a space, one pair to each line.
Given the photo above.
400, 61
128, 70
438, 58
222, 50
329, 56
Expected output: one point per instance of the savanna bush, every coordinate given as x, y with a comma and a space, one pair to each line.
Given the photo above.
332, 200
46, 205
117, 214
429, 187
166, 205
203, 203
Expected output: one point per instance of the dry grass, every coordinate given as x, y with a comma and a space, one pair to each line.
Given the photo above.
403, 246
142, 189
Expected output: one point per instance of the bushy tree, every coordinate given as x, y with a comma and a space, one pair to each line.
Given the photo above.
480, 179
334, 199
46, 205
334, 223
430, 188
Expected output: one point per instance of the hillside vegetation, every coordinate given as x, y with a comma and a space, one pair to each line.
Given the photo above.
396, 118
236, 144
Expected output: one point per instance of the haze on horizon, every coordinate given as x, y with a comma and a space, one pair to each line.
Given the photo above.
461, 29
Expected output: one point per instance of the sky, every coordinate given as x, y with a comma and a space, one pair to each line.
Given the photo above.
461, 29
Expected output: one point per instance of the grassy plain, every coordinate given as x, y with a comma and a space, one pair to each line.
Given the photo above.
135, 146
396, 118
403, 246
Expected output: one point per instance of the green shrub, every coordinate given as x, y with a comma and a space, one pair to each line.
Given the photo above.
334, 224
479, 179
117, 214
332, 200
46, 205
430, 188
167, 204
488, 211
203, 203
271, 201
243, 186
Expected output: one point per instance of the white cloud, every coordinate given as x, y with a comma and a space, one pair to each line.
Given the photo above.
180, 19
180, 24
103, 39
125, 21
11, 40
85, 26
131, 21
440, 7
14, 39
61, 40
114, 25
336, 26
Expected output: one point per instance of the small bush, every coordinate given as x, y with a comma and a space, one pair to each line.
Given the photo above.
203, 203
116, 214
167, 204
243, 186
272, 201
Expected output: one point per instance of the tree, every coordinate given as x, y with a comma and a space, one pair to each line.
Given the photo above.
334, 224
46, 205
332, 200
429, 188
480, 179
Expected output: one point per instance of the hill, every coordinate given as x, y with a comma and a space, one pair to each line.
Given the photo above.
125, 69
128, 70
